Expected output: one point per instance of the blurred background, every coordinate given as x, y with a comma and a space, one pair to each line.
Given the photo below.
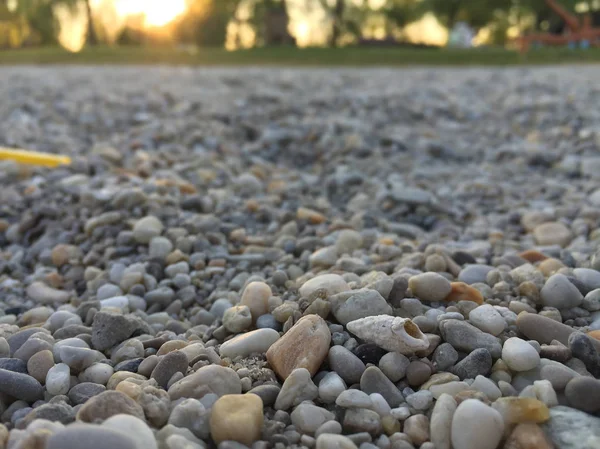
235, 24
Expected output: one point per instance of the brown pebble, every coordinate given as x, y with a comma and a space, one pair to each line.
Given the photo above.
107, 404
533, 256
305, 345
549, 266
463, 292
312, 216
528, 436
237, 417
594, 334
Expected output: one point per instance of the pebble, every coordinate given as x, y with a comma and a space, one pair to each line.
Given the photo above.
441, 421
330, 387
305, 345
394, 365
331, 283
107, 404
297, 387
522, 409
211, 379
147, 228
363, 303
237, 319
478, 362
429, 286
256, 297
543, 329
308, 417
95, 437
358, 420
170, 364
83, 391
583, 393
333, 441
584, 348
476, 426
347, 365
569, 428
552, 233
559, 292
237, 417
374, 381
20, 386
58, 379
527, 436
129, 424
487, 319
257, 341
417, 428
465, 337
472, 274
519, 355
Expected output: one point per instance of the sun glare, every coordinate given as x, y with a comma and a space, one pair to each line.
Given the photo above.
157, 12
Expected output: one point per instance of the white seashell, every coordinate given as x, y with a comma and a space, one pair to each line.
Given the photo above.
390, 333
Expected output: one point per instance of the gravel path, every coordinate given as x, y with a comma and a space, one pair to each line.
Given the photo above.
326, 259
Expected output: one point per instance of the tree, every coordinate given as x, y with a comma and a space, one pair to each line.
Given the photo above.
91, 37
477, 13
205, 22
40, 18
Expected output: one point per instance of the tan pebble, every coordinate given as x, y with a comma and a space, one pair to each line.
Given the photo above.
63, 254
170, 346
120, 376
417, 428
594, 334
530, 290
528, 436
237, 417
107, 404
130, 389
552, 233
463, 292
533, 256
435, 262
252, 205
39, 364
549, 266
312, 216
176, 256
305, 345
438, 379
390, 425
256, 297
471, 394
516, 410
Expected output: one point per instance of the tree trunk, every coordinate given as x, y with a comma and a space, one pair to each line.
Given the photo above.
91, 39
336, 28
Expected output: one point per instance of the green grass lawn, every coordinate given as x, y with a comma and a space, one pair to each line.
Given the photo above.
349, 56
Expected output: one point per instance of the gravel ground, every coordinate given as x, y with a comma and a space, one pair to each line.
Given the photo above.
325, 259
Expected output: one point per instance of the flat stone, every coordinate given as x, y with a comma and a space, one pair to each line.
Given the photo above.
305, 345
20, 386
362, 420
109, 329
476, 426
569, 428
16, 340
466, 337
58, 412
39, 364
95, 437
214, 379
472, 274
43, 294
354, 399
487, 387
16, 365
559, 292
83, 391
444, 356
543, 329
394, 365
237, 417
107, 404
171, 363
268, 393
257, 341
346, 364
584, 348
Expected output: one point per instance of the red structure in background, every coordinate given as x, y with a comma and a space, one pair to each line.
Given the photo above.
579, 32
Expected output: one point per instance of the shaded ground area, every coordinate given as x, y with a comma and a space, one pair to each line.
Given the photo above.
300, 57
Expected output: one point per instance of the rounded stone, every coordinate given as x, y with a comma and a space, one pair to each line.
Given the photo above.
95, 437
430, 286
58, 379
552, 233
131, 425
417, 373
147, 228
237, 417
257, 341
519, 355
213, 379
476, 426
478, 362
20, 386
305, 345
256, 297
488, 319
394, 365
346, 364
332, 283
237, 319
334, 441
559, 292
169, 364
39, 365
80, 393
583, 393
107, 404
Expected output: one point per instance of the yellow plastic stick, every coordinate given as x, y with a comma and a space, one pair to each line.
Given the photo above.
33, 157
